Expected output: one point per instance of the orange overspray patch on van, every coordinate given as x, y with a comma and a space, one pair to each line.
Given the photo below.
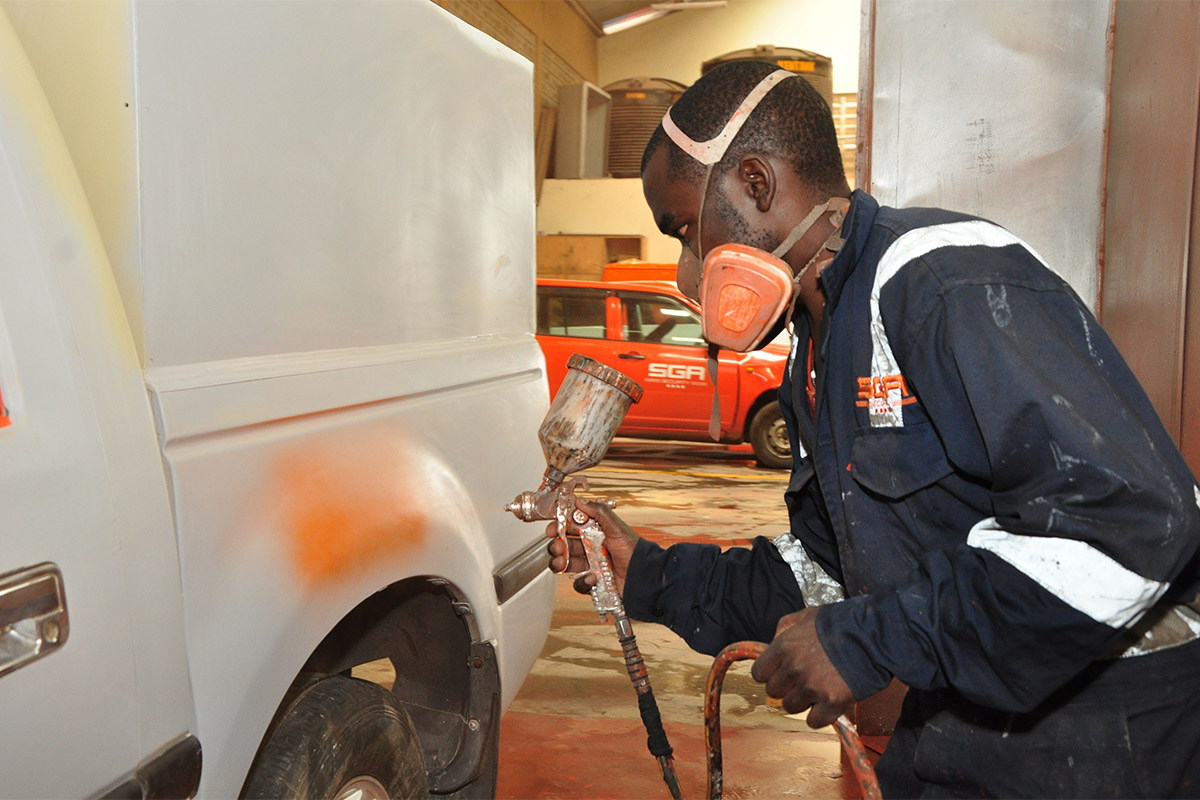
348, 504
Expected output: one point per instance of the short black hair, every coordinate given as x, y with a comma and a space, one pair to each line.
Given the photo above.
792, 122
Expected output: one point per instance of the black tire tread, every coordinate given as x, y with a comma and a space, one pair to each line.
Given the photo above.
764, 454
336, 729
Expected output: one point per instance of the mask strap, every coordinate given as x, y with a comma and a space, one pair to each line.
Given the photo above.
700, 214
714, 419
833, 244
800, 230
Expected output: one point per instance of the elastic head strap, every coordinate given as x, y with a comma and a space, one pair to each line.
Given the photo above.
800, 230
833, 244
713, 150
700, 213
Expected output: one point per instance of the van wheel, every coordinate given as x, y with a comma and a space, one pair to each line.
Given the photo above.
341, 738
768, 437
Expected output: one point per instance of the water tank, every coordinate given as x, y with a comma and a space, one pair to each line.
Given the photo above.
638, 105
816, 68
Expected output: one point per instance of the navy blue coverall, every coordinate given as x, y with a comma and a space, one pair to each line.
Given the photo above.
1016, 533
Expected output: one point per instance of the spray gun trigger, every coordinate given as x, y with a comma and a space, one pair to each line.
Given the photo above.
572, 484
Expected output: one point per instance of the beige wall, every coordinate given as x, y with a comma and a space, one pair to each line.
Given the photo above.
674, 46
604, 206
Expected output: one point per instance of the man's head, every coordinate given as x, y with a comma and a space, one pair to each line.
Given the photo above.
782, 161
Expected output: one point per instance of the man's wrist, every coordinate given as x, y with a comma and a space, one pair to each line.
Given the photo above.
644, 581
847, 635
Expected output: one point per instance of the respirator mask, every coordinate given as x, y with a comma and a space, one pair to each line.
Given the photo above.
746, 294
744, 291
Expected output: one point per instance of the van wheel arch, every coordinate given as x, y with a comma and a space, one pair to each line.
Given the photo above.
447, 680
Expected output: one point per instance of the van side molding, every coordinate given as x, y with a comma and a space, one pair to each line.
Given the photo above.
172, 772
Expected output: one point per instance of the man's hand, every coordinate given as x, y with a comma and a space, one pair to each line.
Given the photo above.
619, 540
796, 669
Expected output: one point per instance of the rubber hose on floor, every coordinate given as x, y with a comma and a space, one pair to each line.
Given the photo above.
852, 745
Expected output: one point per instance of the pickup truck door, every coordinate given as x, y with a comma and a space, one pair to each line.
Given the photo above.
575, 320
93, 671
662, 349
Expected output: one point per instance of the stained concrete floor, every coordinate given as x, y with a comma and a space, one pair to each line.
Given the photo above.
573, 730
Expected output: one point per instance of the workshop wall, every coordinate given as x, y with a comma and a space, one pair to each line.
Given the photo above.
674, 47
601, 207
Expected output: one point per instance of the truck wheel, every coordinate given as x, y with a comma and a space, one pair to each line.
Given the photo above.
341, 738
768, 437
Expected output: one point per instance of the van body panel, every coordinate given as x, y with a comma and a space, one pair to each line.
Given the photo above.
289, 362
81, 481
298, 518
398, 134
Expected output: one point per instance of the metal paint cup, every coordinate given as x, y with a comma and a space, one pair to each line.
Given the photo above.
585, 415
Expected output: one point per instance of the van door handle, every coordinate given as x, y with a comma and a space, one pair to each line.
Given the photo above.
33, 615
632, 356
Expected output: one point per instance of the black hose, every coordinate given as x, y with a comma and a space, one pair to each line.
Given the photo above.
656, 737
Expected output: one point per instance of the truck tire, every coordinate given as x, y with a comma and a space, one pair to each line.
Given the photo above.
768, 437
340, 738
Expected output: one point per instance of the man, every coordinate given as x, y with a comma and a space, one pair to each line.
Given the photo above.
975, 467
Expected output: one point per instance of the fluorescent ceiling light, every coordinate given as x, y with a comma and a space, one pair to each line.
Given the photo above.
630, 20
654, 11
681, 5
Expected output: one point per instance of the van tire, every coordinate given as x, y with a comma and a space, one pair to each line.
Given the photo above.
768, 437
340, 733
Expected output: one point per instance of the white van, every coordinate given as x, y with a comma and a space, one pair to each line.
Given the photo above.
268, 378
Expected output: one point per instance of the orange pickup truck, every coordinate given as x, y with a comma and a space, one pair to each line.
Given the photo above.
651, 332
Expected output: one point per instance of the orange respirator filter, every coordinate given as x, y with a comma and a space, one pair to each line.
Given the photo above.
743, 292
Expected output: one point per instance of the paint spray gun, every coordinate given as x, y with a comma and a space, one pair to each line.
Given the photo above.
579, 427
581, 423
575, 435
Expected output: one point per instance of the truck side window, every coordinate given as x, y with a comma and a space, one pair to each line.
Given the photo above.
570, 313
660, 320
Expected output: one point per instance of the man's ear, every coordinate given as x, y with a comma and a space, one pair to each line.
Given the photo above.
758, 176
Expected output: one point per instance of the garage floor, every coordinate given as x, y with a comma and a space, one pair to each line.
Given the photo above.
573, 730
